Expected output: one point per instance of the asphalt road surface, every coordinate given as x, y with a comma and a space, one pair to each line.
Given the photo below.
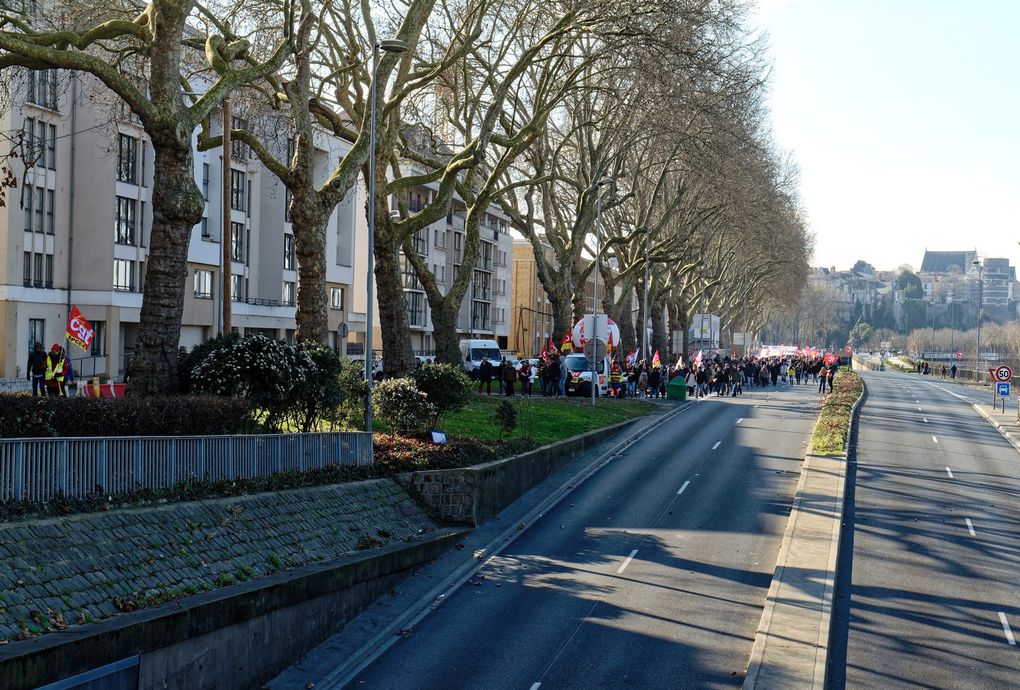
652, 574
934, 600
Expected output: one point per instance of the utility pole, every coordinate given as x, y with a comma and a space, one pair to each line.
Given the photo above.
227, 236
644, 309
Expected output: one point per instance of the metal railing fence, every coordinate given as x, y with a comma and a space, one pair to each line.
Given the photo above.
37, 469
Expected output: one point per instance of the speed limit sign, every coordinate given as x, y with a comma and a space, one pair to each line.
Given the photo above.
959, 355
1003, 373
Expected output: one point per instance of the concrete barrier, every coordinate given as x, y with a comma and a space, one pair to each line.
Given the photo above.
472, 495
234, 638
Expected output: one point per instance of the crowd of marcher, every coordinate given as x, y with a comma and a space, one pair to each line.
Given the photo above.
633, 378
49, 372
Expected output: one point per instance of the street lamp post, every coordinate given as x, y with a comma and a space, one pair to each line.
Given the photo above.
980, 300
932, 328
595, 307
644, 309
390, 46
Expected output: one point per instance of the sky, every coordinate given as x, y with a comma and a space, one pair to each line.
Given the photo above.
904, 119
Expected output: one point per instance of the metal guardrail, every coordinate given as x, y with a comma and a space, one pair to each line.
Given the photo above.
37, 469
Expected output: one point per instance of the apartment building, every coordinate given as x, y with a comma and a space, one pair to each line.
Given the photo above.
485, 311
76, 231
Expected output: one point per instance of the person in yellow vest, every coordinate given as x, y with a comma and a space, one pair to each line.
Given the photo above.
615, 379
56, 371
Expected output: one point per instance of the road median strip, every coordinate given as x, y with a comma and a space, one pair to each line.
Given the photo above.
792, 643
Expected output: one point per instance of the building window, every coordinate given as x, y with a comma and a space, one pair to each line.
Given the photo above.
203, 284
286, 205
336, 298
26, 278
480, 316
439, 271
485, 257
39, 197
481, 286
458, 247
38, 265
51, 148
237, 190
237, 242
288, 293
500, 257
440, 239
420, 241
289, 256
236, 288
36, 333
123, 275
205, 228
205, 181
98, 348
50, 200
49, 270
42, 88
124, 221
127, 159
239, 149
415, 308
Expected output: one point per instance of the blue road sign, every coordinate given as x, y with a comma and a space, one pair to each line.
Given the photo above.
1002, 390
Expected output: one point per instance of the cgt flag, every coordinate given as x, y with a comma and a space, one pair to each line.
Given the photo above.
655, 360
79, 331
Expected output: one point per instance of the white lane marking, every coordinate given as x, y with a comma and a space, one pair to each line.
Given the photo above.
683, 488
934, 439
970, 527
1005, 629
919, 409
925, 419
740, 420
627, 562
949, 472
717, 444
535, 686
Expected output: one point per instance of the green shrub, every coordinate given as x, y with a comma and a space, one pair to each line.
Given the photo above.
267, 373
446, 386
405, 408
350, 414
321, 394
187, 362
26, 417
505, 417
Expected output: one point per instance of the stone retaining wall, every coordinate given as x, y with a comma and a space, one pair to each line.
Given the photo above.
62, 572
472, 495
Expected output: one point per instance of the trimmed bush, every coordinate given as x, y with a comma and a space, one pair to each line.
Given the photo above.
26, 417
446, 387
267, 373
321, 394
405, 408
350, 414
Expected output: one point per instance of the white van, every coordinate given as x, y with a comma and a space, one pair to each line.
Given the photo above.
472, 352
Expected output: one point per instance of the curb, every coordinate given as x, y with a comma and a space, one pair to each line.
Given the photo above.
791, 646
1003, 431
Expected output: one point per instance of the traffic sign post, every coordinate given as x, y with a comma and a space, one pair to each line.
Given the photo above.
960, 355
1002, 389
1002, 374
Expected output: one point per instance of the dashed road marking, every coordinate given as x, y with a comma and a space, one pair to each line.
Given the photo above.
627, 562
717, 444
535, 686
740, 420
949, 472
970, 527
934, 439
1005, 629
925, 419
683, 488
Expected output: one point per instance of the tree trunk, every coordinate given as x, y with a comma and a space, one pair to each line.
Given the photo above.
444, 330
563, 316
658, 327
620, 312
398, 357
308, 220
176, 208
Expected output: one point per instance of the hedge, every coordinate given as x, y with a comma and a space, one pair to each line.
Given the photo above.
22, 416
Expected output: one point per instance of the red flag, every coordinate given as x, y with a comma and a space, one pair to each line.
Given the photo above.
829, 358
655, 359
609, 343
79, 331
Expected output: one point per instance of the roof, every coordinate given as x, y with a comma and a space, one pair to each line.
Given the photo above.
944, 262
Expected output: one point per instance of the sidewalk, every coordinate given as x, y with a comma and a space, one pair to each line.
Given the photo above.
1007, 423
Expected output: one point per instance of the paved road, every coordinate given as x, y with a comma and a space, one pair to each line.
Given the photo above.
936, 544
652, 574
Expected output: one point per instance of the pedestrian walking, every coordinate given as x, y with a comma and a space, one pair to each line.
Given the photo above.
37, 365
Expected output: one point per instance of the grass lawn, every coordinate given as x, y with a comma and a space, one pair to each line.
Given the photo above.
834, 419
547, 419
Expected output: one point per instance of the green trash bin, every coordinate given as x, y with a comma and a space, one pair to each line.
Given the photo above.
677, 389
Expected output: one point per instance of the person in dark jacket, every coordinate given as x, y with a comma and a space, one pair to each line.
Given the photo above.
485, 373
37, 369
509, 376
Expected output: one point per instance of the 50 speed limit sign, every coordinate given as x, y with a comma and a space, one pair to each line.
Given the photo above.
1003, 373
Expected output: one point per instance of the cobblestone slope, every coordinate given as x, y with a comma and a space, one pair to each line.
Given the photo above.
60, 572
